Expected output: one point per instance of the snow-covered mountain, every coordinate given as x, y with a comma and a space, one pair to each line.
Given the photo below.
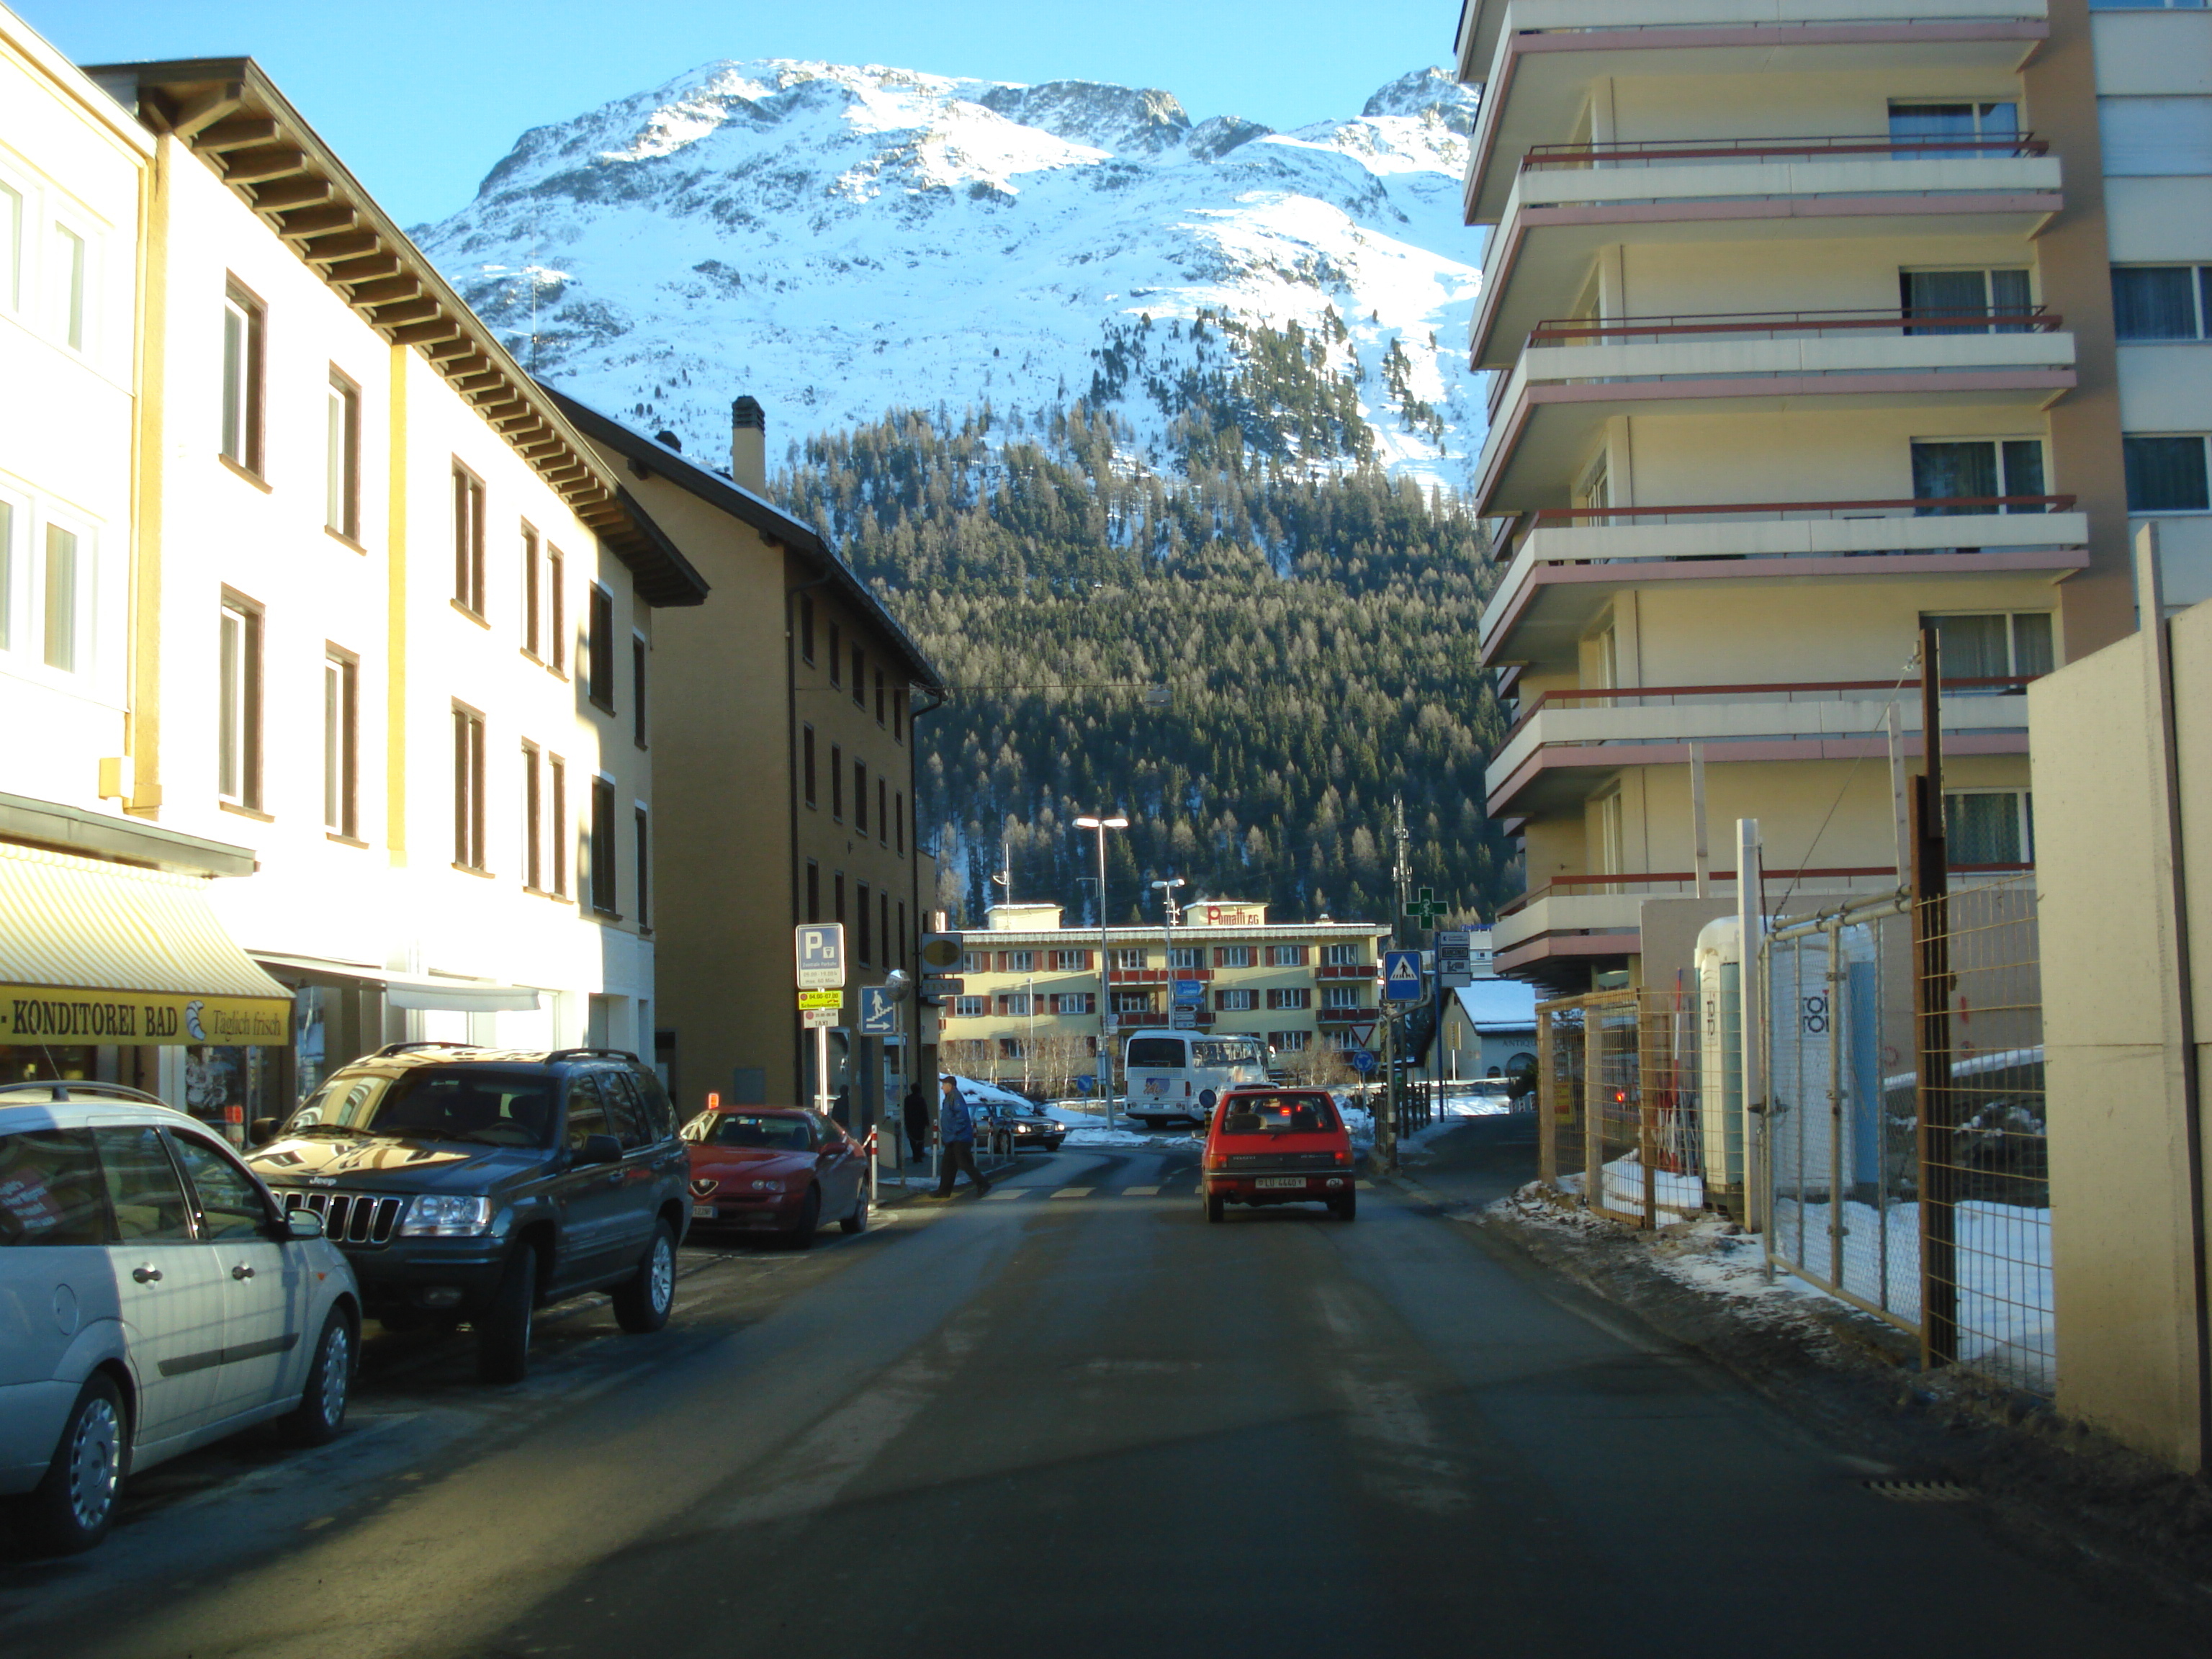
839, 241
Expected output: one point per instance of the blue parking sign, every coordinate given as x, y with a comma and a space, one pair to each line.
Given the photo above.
1401, 975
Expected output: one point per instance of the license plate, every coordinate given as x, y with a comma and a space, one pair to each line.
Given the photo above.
1280, 1181
702, 1212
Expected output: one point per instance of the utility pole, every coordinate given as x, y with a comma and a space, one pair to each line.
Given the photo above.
1401, 874
1101, 826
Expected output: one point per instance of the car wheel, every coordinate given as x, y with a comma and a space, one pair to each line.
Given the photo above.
503, 1333
858, 1221
1346, 1208
643, 1300
321, 1412
801, 1236
72, 1508
1217, 1206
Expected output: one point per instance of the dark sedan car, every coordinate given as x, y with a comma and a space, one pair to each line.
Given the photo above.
1017, 1128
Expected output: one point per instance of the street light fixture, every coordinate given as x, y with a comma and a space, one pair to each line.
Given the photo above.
1105, 977
1165, 888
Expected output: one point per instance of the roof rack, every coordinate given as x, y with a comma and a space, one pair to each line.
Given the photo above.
594, 1054
404, 1047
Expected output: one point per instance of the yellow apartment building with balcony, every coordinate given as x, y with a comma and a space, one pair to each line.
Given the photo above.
1027, 1006
1800, 317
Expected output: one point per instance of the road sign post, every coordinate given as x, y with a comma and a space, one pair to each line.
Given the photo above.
819, 947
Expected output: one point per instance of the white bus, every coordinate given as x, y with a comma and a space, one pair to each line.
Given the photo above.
1182, 1073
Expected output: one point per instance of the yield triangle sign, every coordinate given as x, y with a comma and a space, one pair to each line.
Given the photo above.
1363, 1036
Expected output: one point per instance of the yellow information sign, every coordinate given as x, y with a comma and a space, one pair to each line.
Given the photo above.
826, 999
138, 1020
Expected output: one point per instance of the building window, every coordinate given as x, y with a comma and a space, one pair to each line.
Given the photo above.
342, 459
898, 824
898, 717
70, 283
533, 597
806, 761
1186, 956
970, 1007
468, 788
880, 698
2154, 136
1010, 1047
1963, 130
813, 891
860, 796
1235, 1002
1286, 956
836, 667
1340, 955
11, 247
1127, 961
884, 928
340, 741
468, 540
1290, 1042
1020, 962
807, 627
534, 818
864, 940
860, 677
1133, 1002
557, 822
60, 581
882, 812
1232, 956
644, 871
975, 962
637, 690
556, 611
1071, 962
10, 516
1075, 1002
1340, 996
1994, 645
1015, 1005
1989, 826
837, 897
1293, 998
1955, 296
901, 935
837, 782
1975, 471
238, 725
243, 331
605, 893
2166, 475
2162, 302
600, 651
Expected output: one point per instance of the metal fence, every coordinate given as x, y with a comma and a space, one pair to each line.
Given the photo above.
1902, 1095
1617, 1102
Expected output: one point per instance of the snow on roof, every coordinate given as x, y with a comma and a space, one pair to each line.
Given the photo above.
1499, 1002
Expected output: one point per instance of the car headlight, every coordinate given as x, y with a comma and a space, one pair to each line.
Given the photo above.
768, 1186
441, 1215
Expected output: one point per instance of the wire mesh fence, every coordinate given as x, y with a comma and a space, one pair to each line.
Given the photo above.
1618, 1099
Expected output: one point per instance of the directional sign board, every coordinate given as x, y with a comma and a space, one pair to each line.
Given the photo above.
821, 999
1187, 993
1401, 975
1180, 1019
878, 1012
821, 947
942, 986
811, 1019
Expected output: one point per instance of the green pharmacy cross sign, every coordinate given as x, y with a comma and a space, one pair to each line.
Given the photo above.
1424, 909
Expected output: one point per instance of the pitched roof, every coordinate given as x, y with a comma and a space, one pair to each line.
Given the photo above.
1506, 1004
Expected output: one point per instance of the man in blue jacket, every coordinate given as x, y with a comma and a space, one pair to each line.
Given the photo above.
956, 1129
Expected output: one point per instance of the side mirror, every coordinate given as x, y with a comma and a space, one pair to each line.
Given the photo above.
303, 1224
599, 1149
263, 1132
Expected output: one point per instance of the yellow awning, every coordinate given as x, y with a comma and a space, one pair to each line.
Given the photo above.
92, 952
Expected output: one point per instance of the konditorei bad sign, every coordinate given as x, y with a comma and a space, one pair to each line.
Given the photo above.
48, 1013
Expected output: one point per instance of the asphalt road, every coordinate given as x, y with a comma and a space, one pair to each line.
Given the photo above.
1070, 1419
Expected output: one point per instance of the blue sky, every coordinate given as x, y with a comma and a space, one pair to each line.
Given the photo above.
421, 97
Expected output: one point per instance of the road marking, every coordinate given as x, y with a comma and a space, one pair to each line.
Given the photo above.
1141, 1192
1003, 1193
1073, 1192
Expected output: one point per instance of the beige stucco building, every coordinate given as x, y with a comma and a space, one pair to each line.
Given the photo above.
1802, 327
1028, 1007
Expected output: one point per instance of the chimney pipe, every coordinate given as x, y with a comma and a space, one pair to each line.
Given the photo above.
748, 444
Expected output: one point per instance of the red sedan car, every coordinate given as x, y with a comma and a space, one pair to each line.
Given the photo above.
775, 1170
1267, 1146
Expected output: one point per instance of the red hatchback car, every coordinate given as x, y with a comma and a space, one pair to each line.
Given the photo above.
776, 1170
1267, 1145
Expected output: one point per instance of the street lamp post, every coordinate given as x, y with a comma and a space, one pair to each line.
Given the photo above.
1105, 976
1166, 890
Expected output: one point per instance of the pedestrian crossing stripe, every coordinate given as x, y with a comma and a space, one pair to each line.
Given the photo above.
1073, 1192
1141, 1192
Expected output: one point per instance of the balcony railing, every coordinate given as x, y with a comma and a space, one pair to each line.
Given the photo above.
1791, 325
1651, 152
1669, 696
1904, 506
1680, 882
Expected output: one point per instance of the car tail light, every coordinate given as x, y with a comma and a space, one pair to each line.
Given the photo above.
1344, 1157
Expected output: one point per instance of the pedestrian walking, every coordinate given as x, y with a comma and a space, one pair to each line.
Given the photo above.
956, 1129
916, 1111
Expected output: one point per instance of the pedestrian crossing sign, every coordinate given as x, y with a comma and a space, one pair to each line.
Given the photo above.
1401, 975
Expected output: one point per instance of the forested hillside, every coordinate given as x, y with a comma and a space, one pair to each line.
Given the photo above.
1315, 632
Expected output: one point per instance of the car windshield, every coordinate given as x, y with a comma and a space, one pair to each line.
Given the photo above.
1275, 1114
781, 1134
479, 1103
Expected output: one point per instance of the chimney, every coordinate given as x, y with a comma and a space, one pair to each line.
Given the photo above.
748, 444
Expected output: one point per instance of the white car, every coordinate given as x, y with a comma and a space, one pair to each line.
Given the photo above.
152, 1297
